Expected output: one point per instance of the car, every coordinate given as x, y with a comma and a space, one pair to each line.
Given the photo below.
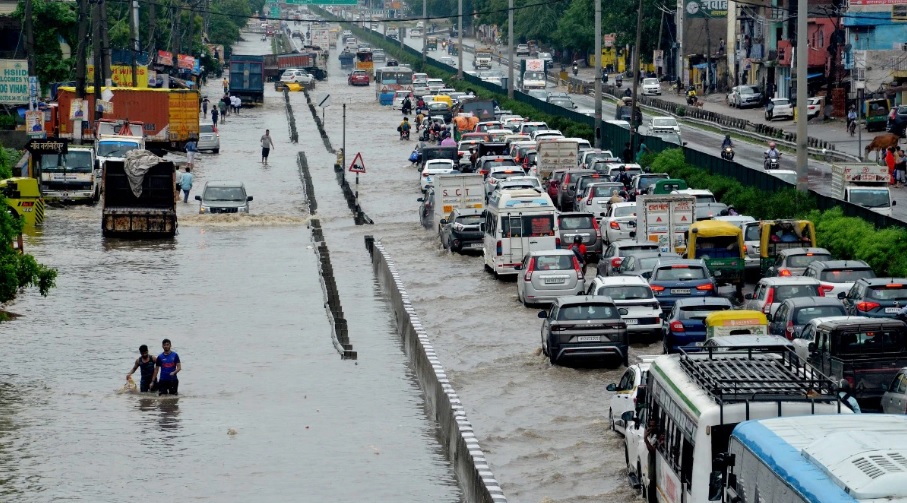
837, 276
584, 328
752, 240
589, 156
620, 220
223, 197
684, 325
897, 121
744, 96
876, 297
566, 195
641, 263
421, 89
545, 275
708, 211
440, 109
487, 162
614, 169
661, 125
597, 199
546, 133
703, 196
208, 137
583, 181
461, 230
433, 168
633, 294
361, 78
563, 102
529, 127
540, 94
680, 279
522, 50
788, 175
641, 182
616, 251
807, 335
520, 182
894, 400
814, 107
794, 261
546, 57
447, 60
498, 174
771, 292
435, 84
782, 107
298, 76
793, 314
651, 86
584, 225
627, 392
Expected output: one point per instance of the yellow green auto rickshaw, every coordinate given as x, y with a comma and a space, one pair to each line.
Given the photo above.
720, 245
777, 235
667, 186
735, 322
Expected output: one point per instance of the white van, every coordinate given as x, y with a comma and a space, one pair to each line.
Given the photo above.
515, 223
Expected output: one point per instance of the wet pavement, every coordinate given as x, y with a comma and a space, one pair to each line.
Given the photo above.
267, 409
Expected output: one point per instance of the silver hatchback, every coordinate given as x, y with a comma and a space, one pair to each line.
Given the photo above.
548, 274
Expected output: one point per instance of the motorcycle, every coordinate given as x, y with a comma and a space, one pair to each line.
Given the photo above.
691, 98
771, 162
618, 81
727, 153
575, 69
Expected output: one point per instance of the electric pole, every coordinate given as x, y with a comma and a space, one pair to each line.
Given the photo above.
29, 38
802, 63
510, 49
105, 43
460, 39
134, 29
96, 55
598, 73
635, 105
82, 48
175, 33
424, 29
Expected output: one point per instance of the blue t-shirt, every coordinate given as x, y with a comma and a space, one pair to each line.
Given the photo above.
167, 363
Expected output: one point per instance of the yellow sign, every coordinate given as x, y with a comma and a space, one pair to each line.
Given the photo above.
122, 75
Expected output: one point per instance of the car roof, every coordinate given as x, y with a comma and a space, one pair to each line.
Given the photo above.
468, 211
686, 261
622, 205
788, 280
839, 264
620, 280
883, 281
583, 299
804, 251
704, 301
224, 183
656, 253
813, 301
553, 251
626, 243
869, 323
748, 340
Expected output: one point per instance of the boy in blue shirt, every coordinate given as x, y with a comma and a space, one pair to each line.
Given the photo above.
168, 364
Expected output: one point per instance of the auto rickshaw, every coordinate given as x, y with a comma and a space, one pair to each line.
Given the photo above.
720, 245
735, 322
431, 44
667, 186
777, 235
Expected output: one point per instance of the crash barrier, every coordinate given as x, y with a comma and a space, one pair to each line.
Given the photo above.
352, 201
579, 86
614, 137
291, 119
442, 404
318, 123
339, 328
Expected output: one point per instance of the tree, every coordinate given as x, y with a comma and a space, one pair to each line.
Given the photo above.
53, 21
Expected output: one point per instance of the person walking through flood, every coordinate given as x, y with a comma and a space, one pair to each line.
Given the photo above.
145, 362
266, 145
186, 183
166, 366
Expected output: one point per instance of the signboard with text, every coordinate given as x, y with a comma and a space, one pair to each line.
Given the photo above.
14, 82
122, 75
705, 8
165, 58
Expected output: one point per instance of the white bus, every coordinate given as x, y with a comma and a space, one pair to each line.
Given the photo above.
855, 458
517, 222
695, 400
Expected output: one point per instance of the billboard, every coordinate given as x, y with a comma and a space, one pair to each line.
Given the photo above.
122, 75
705, 8
14, 88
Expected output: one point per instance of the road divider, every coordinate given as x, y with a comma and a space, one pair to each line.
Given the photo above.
318, 123
442, 403
291, 118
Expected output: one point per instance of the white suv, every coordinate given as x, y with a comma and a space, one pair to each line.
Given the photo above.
633, 295
782, 108
626, 392
651, 86
297, 76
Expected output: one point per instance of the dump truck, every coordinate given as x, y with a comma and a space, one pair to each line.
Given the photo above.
659, 218
139, 197
247, 77
864, 184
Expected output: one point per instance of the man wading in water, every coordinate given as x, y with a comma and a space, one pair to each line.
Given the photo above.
146, 363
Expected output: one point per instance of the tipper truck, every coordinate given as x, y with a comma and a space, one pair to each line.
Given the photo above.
658, 217
247, 77
139, 197
865, 184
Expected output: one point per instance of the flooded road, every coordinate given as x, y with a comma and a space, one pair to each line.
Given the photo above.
267, 409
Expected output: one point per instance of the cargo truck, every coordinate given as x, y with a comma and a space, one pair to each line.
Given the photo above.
661, 217
482, 60
71, 177
139, 205
533, 75
555, 154
169, 117
454, 192
247, 78
864, 184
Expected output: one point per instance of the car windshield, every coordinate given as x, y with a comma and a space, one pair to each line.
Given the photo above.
589, 311
650, 82
700, 312
438, 106
752, 233
885, 341
553, 262
469, 219
646, 181
224, 194
705, 199
503, 175
116, 148
784, 292
602, 191
534, 76
206, 128
632, 292
76, 161
805, 314
746, 90
888, 292
680, 273
870, 198
624, 211
646, 263
805, 260
561, 102
574, 222
664, 122
845, 275
493, 164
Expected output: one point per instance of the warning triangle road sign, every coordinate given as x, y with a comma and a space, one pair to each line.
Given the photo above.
358, 165
683, 218
657, 220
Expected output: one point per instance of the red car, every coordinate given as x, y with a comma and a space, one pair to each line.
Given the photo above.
359, 78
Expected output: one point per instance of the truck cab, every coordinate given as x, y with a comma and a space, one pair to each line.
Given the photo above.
114, 148
24, 200
71, 177
863, 184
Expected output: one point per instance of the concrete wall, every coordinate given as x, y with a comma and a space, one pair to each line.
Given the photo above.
442, 403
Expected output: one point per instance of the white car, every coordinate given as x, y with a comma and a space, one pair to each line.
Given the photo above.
447, 60
788, 175
519, 182
626, 392
782, 108
498, 174
769, 293
297, 76
546, 133
208, 137
597, 198
433, 168
633, 294
703, 196
659, 125
435, 84
397, 103
616, 224
651, 86
814, 107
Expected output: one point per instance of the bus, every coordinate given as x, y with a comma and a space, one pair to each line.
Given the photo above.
364, 61
515, 223
390, 79
694, 401
855, 458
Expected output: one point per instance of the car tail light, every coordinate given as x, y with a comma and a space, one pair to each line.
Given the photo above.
615, 225
867, 306
589, 199
615, 262
769, 299
578, 268
529, 269
789, 330
557, 242
677, 326
893, 114
825, 288
657, 288
744, 249
424, 174
784, 272
499, 249
705, 287
598, 231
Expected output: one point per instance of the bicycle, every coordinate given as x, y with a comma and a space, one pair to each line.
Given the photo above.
852, 127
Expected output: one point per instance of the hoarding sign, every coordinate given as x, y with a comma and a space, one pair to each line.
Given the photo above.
165, 58
705, 8
122, 75
186, 62
14, 88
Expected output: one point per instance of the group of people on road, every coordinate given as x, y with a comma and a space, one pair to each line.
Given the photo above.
897, 166
158, 373
225, 105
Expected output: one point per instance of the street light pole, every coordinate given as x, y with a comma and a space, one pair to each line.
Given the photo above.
633, 123
510, 49
460, 39
424, 29
802, 63
598, 73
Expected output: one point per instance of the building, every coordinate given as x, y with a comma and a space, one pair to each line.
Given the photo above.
877, 40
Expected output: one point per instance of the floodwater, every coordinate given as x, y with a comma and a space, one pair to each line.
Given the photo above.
267, 410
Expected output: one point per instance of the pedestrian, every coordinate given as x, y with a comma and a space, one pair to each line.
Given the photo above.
628, 153
191, 150
226, 85
167, 366
900, 168
227, 105
890, 161
214, 116
222, 105
205, 106
238, 104
178, 177
770, 109
186, 183
266, 145
146, 363
643, 150
234, 104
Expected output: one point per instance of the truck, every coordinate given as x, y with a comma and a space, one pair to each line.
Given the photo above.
24, 200
658, 217
169, 117
285, 61
71, 177
454, 192
482, 60
139, 203
114, 141
864, 184
321, 37
247, 77
555, 154
533, 75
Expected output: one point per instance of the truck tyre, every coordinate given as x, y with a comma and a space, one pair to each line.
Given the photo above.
216, 151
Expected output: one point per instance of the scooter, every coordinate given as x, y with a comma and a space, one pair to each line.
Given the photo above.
771, 162
727, 153
575, 69
618, 81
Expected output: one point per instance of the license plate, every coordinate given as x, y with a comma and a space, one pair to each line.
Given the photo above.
589, 338
474, 245
891, 310
631, 321
680, 291
555, 281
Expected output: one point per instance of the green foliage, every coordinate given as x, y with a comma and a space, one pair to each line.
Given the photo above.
52, 21
8, 158
19, 270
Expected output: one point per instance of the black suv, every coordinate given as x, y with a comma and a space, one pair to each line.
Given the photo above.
897, 121
876, 297
584, 327
461, 230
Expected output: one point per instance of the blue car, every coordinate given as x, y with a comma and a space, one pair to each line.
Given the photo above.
684, 326
876, 297
673, 279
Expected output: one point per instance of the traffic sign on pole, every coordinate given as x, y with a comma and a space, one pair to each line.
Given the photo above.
358, 165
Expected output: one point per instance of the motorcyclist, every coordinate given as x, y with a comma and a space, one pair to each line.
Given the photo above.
403, 128
628, 93
420, 105
691, 94
731, 211
575, 68
851, 116
579, 250
407, 106
727, 142
772, 153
